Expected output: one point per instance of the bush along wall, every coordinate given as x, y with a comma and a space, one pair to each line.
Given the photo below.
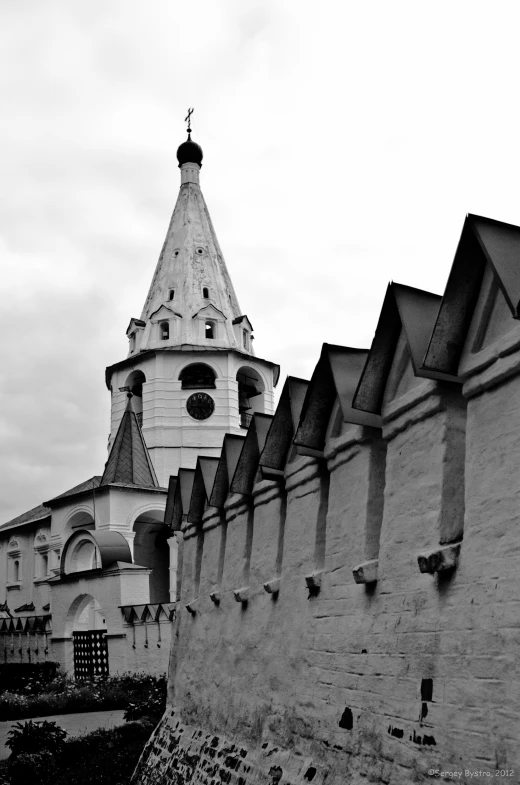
15, 676
139, 694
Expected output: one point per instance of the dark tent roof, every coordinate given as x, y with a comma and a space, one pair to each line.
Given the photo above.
129, 461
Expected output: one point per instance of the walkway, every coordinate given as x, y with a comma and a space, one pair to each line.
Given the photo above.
74, 724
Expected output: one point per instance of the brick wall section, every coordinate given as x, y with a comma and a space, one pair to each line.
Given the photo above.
363, 684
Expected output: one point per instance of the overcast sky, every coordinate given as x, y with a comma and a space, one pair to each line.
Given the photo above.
344, 142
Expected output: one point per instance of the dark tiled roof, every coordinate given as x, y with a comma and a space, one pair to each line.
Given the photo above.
129, 461
87, 485
36, 514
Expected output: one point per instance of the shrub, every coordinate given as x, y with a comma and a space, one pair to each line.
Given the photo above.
27, 678
63, 695
152, 705
34, 737
105, 757
31, 768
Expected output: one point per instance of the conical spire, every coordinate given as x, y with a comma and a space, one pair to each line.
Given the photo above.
191, 284
129, 461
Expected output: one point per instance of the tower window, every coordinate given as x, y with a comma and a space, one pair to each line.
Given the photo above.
16, 571
244, 338
171, 294
205, 292
210, 329
164, 330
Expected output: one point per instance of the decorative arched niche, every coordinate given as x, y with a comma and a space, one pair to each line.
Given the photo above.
41, 555
14, 561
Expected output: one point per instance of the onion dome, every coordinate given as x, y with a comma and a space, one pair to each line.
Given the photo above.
189, 152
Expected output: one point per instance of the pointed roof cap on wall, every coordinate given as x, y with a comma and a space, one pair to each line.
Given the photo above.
483, 241
414, 311
203, 480
179, 495
247, 466
231, 449
129, 461
336, 376
283, 427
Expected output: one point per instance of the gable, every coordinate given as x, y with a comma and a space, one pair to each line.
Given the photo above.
492, 317
243, 321
164, 313
401, 377
210, 312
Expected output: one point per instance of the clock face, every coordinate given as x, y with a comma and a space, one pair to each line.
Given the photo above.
200, 406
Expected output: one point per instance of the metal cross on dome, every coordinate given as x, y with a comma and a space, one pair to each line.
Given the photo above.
187, 119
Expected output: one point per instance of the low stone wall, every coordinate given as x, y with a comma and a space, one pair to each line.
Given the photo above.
143, 645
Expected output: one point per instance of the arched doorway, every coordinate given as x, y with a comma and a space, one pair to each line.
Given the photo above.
152, 550
87, 625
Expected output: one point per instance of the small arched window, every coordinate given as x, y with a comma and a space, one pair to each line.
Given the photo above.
171, 294
244, 338
210, 330
197, 376
44, 565
164, 331
205, 292
16, 570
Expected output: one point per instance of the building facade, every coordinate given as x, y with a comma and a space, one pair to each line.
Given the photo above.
89, 578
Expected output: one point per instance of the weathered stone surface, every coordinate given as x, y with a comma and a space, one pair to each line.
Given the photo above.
384, 682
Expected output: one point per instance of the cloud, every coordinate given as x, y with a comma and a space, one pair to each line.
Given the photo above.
343, 146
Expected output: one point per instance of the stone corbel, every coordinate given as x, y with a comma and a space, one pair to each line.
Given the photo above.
272, 587
313, 582
215, 596
443, 559
191, 607
241, 595
367, 572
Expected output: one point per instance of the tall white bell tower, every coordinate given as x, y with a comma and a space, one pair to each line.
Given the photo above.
191, 364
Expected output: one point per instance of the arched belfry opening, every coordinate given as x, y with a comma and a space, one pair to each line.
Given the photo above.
197, 376
251, 391
134, 383
151, 549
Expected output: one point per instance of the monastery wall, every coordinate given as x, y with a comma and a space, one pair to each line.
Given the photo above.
357, 619
356, 683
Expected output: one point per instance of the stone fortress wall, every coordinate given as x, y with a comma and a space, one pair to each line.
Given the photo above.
349, 586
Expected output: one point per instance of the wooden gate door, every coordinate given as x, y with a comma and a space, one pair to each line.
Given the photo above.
90, 654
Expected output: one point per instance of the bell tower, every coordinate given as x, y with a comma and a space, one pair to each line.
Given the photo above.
191, 365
